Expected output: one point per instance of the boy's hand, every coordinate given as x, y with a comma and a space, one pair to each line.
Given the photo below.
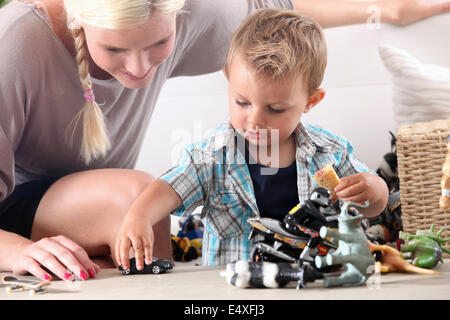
135, 232
356, 188
362, 187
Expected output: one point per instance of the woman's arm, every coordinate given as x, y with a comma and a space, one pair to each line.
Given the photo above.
333, 13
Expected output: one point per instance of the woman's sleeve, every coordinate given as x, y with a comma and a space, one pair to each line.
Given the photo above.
205, 29
11, 129
13, 101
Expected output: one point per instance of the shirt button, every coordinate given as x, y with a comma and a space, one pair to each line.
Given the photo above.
225, 199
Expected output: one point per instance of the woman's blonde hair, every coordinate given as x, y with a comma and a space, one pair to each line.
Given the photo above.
106, 14
283, 44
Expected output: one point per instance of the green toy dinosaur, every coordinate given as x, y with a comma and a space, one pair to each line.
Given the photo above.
4, 2
424, 248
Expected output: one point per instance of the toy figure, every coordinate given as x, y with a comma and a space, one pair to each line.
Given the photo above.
191, 227
444, 201
424, 248
309, 213
187, 244
391, 260
245, 274
353, 250
184, 249
285, 241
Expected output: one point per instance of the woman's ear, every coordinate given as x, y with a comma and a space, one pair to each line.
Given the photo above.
224, 70
314, 99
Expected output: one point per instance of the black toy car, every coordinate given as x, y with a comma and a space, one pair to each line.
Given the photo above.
157, 266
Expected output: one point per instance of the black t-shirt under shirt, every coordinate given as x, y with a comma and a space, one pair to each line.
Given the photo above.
276, 194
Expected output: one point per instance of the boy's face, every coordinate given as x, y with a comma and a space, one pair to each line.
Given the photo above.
259, 104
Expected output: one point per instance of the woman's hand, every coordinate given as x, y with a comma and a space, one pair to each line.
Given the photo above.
58, 255
404, 12
135, 232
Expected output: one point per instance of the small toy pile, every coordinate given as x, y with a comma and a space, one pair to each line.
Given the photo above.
187, 244
329, 240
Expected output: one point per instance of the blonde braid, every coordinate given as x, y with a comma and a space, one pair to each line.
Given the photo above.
95, 141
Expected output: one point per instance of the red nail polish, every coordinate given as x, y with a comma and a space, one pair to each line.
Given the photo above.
83, 275
91, 273
68, 276
47, 277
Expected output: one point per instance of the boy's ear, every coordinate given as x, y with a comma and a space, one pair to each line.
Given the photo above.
314, 99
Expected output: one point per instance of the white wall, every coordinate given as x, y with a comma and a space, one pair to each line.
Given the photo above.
357, 104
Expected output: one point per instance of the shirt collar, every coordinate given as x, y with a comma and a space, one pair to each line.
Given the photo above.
224, 137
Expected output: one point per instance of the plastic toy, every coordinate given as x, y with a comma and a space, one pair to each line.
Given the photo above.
444, 201
260, 274
157, 266
191, 227
388, 168
186, 250
424, 248
309, 214
285, 241
4, 2
34, 287
391, 260
353, 250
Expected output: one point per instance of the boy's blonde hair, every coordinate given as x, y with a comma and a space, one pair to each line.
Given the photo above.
106, 14
282, 44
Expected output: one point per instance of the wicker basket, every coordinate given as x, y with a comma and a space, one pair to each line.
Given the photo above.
421, 151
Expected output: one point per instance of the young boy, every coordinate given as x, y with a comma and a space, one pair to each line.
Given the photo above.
261, 162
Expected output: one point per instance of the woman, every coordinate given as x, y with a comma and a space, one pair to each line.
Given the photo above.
79, 80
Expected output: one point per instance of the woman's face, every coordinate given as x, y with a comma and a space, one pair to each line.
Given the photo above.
133, 55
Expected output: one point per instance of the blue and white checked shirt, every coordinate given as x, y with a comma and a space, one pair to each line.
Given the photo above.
213, 174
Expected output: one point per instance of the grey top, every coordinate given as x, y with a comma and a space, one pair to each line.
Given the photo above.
40, 91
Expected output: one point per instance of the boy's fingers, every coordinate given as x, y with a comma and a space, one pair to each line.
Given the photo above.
138, 253
148, 250
358, 198
350, 190
345, 183
117, 253
125, 253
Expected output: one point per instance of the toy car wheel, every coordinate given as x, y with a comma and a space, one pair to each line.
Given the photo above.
156, 269
126, 271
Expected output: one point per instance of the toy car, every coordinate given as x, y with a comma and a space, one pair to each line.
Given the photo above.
157, 266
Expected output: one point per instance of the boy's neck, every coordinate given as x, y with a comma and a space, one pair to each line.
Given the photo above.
280, 157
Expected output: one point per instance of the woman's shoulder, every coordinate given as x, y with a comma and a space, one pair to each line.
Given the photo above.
24, 33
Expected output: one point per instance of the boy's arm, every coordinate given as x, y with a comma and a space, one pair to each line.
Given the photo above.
333, 13
157, 201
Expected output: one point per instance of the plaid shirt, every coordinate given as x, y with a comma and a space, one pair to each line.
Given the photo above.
213, 174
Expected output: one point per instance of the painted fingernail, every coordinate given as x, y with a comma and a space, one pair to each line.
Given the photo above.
47, 277
83, 275
68, 276
91, 273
